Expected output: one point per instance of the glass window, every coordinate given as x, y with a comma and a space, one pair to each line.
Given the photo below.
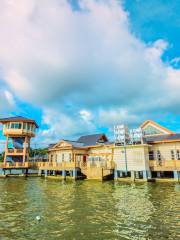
178, 154
172, 155
151, 155
63, 157
28, 126
16, 125
158, 155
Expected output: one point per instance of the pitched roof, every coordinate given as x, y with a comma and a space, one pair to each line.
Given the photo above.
90, 140
75, 143
18, 119
163, 138
144, 124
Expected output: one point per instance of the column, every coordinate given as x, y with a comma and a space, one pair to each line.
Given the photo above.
75, 173
6, 148
115, 174
176, 175
132, 175
45, 173
121, 173
24, 150
158, 174
145, 176
39, 172
149, 175
64, 173
136, 174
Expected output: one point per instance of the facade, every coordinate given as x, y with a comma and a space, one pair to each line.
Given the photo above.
18, 132
90, 156
156, 155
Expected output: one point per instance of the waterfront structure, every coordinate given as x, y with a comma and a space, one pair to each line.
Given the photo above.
146, 153
155, 154
90, 156
18, 132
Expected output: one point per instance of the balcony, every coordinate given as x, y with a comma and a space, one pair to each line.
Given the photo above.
54, 165
14, 165
165, 165
12, 131
14, 151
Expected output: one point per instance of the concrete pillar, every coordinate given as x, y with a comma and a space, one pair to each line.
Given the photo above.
158, 174
149, 175
132, 175
63, 173
39, 172
176, 175
145, 176
75, 173
121, 173
115, 174
45, 173
136, 174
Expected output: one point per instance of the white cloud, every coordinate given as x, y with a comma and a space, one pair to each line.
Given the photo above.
89, 59
62, 126
9, 97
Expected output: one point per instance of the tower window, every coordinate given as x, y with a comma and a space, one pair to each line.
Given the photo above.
178, 154
158, 155
172, 155
151, 155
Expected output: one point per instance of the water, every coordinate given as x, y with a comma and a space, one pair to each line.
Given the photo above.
88, 210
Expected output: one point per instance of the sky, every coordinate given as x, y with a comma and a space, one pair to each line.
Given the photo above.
80, 67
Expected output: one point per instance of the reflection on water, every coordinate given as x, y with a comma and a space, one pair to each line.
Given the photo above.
88, 210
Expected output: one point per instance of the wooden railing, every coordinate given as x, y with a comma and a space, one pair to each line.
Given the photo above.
15, 150
165, 165
98, 164
14, 165
54, 165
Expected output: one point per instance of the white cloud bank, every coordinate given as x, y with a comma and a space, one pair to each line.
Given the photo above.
53, 56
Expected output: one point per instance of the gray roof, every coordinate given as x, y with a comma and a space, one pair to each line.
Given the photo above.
90, 140
165, 137
18, 119
84, 141
75, 143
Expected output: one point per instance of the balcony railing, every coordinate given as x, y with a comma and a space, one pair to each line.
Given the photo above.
14, 165
14, 151
165, 164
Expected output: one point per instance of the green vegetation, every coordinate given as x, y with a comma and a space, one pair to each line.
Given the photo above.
39, 152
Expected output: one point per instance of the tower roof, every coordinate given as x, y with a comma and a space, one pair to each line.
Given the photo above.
18, 119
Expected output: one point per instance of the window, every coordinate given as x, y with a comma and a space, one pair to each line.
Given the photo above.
63, 157
158, 155
172, 155
178, 155
70, 157
151, 155
28, 126
16, 125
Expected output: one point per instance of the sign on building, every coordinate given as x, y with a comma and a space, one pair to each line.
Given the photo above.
121, 134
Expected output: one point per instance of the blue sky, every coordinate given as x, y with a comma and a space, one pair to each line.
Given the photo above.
79, 67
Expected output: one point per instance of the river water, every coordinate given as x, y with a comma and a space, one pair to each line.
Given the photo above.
88, 210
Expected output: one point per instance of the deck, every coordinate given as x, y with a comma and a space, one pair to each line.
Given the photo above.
168, 165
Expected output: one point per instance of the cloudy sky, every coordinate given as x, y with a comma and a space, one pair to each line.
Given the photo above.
79, 67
